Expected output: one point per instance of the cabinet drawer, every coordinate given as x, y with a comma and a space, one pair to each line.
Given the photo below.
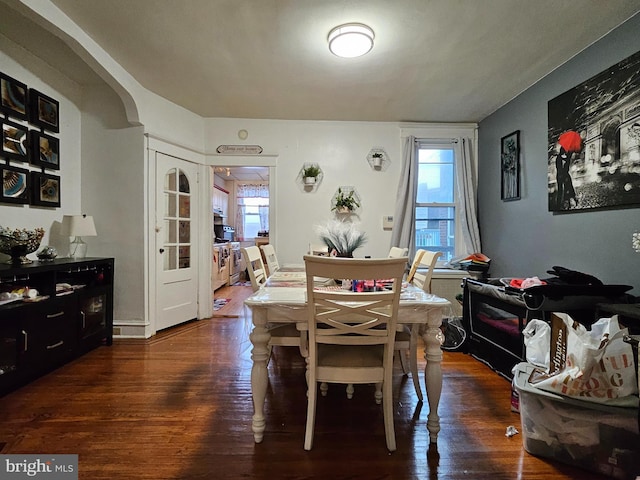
50, 332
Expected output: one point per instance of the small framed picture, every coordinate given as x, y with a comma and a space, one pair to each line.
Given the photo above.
510, 166
15, 143
14, 97
45, 190
45, 150
15, 185
44, 111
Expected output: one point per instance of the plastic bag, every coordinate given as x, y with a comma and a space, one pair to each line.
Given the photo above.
594, 365
454, 333
537, 342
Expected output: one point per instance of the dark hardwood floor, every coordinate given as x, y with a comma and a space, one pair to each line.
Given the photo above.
178, 406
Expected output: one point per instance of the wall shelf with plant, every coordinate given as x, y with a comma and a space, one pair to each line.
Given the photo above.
378, 159
310, 176
346, 200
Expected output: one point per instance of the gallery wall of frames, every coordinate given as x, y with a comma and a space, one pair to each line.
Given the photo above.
30, 154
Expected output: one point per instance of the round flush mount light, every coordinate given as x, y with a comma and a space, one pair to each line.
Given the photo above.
351, 40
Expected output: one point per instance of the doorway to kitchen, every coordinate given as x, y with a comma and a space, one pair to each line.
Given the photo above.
245, 215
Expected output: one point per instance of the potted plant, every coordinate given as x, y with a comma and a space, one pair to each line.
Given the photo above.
377, 160
310, 174
345, 202
341, 238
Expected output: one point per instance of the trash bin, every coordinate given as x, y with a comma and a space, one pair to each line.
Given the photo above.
592, 436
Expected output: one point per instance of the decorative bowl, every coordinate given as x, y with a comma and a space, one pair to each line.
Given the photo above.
19, 242
47, 254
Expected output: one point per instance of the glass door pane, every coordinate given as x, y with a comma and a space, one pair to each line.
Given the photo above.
177, 220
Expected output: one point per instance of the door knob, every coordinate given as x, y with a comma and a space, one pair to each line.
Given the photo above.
162, 250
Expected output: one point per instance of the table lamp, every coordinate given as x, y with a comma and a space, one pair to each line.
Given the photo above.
79, 226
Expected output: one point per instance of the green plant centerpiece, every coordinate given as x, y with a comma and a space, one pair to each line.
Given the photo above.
310, 174
342, 237
345, 202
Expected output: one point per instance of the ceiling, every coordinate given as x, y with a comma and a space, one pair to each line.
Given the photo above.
433, 60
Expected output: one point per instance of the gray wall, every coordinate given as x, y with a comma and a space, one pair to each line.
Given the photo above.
522, 237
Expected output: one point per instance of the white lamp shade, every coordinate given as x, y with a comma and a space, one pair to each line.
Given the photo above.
79, 226
350, 40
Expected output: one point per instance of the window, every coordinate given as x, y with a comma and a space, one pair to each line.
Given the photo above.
436, 199
253, 210
255, 216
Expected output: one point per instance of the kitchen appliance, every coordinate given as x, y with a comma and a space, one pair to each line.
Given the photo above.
221, 264
234, 263
228, 233
223, 233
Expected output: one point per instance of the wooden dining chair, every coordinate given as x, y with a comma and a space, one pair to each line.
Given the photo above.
282, 334
352, 334
271, 258
420, 274
318, 249
255, 266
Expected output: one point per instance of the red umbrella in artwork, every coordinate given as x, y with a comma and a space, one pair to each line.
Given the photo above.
570, 141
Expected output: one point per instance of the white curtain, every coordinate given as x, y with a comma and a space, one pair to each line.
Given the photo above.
240, 210
467, 195
264, 217
404, 225
252, 190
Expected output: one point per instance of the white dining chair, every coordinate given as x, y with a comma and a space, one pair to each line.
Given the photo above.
396, 252
352, 334
271, 258
420, 274
255, 266
282, 334
318, 249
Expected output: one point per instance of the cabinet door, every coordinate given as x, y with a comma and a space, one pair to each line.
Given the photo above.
93, 309
50, 333
11, 341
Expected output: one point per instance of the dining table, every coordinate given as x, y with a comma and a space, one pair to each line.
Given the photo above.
283, 299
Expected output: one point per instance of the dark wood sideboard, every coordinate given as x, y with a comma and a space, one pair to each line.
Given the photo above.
72, 314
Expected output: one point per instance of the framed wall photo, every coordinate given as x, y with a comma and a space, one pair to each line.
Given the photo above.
510, 166
15, 143
14, 97
45, 150
15, 185
44, 111
45, 190
594, 142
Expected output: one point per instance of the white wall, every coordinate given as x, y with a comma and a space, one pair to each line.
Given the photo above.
39, 75
340, 148
113, 179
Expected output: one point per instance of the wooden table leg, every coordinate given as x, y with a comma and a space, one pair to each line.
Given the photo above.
433, 339
259, 377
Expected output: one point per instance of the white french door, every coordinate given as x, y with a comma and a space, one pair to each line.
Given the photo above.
176, 241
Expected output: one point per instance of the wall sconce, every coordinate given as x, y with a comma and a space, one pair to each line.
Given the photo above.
78, 226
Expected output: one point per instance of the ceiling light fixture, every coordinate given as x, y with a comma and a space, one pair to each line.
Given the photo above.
351, 40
